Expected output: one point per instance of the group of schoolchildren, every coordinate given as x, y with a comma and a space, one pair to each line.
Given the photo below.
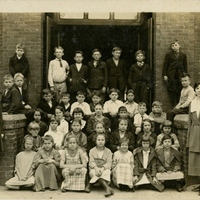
81, 145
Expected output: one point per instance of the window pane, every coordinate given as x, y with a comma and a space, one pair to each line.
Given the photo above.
98, 15
71, 15
125, 16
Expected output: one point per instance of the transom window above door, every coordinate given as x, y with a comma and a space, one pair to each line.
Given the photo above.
99, 18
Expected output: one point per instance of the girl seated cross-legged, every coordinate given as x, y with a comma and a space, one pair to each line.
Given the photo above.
100, 161
73, 164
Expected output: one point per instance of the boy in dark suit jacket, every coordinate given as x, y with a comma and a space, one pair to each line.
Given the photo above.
47, 104
78, 76
174, 65
19, 63
11, 98
19, 81
117, 72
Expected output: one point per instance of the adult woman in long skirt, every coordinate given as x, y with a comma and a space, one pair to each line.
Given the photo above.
193, 138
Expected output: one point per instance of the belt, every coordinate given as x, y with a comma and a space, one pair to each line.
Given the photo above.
59, 82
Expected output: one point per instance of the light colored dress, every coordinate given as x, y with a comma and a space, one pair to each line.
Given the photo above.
46, 175
122, 168
77, 180
97, 160
23, 168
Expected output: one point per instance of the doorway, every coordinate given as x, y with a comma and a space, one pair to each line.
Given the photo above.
104, 37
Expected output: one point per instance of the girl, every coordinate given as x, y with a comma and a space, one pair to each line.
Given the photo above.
23, 166
193, 138
97, 117
73, 164
147, 128
169, 163
76, 131
78, 114
145, 164
60, 112
37, 115
166, 129
122, 114
121, 133
57, 135
33, 130
100, 161
46, 163
98, 129
122, 167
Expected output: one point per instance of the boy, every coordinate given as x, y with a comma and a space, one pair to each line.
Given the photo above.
96, 99
98, 75
187, 95
19, 81
130, 104
78, 75
158, 116
140, 116
117, 73
145, 165
65, 98
81, 104
111, 106
169, 163
57, 73
47, 104
140, 78
174, 65
19, 63
11, 98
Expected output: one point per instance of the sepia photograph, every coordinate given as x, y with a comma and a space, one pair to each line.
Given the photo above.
100, 99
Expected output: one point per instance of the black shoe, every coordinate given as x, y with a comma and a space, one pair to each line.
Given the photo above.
133, 189
196, 189
179, 188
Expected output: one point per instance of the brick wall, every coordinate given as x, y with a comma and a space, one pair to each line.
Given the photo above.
167, 28
13, 131
196, 46
26, 28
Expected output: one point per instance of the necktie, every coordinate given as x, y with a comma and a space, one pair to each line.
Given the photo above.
60, 63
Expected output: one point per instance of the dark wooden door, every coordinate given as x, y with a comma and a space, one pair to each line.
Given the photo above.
145, 43
52, 41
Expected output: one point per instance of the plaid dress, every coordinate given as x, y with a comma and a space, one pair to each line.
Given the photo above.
122, 169
76, 181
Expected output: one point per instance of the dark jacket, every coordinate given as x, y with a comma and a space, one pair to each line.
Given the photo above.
117, 75
115, 138
19, 65
140, 75
150, 171
174, 161
173, 65
98, 76
44, 106
11, 101
77, 84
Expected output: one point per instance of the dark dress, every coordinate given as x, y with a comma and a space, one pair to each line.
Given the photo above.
140, 80
193, 139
